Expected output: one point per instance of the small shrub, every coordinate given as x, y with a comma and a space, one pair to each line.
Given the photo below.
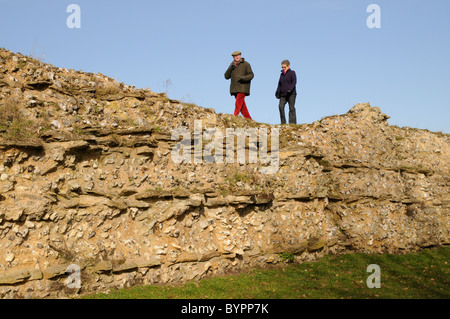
287, 257
13, 125
106, 89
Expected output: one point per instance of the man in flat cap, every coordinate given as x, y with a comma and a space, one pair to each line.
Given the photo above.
241, 74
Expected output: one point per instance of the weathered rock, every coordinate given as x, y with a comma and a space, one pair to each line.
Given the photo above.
54, 271
12, 277
96, 189
148, 263
316, 243
103, 266
126, 266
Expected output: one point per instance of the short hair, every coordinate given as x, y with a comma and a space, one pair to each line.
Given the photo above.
285, 62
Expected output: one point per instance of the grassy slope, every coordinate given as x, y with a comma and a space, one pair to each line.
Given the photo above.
416, 275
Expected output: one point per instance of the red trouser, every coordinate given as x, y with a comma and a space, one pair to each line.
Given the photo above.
241, 107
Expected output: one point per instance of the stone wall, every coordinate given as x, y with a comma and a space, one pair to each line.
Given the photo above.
93, 193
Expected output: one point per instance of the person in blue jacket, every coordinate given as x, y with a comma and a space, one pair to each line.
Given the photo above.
287, 92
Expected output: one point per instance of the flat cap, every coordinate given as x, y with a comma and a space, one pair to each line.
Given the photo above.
236, 53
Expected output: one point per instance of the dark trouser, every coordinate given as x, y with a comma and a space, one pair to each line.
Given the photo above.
290, 99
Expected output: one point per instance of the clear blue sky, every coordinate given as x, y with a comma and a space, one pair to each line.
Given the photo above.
402, 67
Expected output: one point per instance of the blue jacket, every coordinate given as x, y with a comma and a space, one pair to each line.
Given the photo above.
287, 84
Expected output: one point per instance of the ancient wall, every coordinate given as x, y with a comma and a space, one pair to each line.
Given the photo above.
97, 192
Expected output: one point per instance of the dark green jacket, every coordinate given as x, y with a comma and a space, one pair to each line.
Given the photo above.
241, 76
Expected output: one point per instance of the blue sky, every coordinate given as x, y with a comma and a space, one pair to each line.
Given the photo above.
402, 67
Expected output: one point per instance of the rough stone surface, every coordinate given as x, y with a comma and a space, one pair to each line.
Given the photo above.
91, 181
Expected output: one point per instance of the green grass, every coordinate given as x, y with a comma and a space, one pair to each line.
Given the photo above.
420, 275
14, 125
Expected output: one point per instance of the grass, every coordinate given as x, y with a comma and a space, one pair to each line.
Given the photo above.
422, 275
107, 89
13, 125
243, 177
